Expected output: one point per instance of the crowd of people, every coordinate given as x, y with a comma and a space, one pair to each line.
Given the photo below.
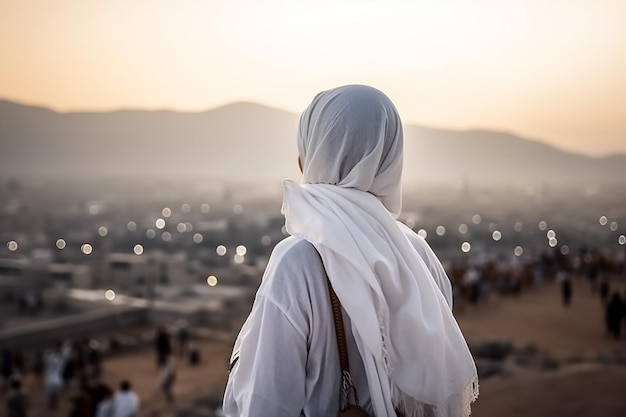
475, 281
73, 371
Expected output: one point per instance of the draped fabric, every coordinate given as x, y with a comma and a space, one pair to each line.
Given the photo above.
415, 356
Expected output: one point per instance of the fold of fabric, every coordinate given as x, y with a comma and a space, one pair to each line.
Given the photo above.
415, 355
416, 358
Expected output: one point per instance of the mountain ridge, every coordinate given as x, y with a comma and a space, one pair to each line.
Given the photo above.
246, 140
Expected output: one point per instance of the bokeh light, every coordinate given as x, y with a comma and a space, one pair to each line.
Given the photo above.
463, 228
241, 250
60, 243
603, 220
109, 295
466, 247
266, 240
496, 235
159, 224
211, 280
138, 249
12, 245
422, 233
166, 212
132, 226
518, 251
441, 230
205, 208
197, 238
86, 248
166, 236
221, 250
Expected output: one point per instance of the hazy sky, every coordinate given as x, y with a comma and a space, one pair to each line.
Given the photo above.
553, 70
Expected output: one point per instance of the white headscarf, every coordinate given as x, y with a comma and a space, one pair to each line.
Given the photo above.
415, 357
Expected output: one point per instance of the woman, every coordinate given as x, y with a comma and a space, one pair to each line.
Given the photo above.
407, 355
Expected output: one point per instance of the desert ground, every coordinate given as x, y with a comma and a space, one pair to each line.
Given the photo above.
575, 337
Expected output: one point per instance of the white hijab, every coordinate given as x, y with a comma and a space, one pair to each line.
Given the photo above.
416, 359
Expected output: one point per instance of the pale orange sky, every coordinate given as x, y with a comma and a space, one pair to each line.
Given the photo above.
549, 70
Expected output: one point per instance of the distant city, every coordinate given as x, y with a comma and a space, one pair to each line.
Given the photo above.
132, 237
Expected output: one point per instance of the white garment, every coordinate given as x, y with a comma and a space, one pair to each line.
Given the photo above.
125, 404
285, 361
414, 355
105, 408
168, 374
53, 371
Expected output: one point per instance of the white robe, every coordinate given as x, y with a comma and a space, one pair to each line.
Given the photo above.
125, 404
285, 361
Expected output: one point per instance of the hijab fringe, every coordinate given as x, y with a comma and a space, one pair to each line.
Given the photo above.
456, 405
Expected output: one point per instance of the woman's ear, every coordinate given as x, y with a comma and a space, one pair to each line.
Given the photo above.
300, 165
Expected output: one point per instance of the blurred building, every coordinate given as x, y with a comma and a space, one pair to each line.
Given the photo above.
16, 277
67, 275
127, 271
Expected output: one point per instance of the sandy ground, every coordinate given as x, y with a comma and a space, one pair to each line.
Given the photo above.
537, 317
534, 317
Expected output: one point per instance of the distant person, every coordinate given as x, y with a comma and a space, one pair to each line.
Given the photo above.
565, 280
605, 289
194, 355
19, 364
17, 401
7, 368
406, 351
125, 402
162, 345
182, 337
167, 378
68, 356
94, 358
471, 281
39, 367
53, 378
614, 315
82, 404
104, 406
593, 271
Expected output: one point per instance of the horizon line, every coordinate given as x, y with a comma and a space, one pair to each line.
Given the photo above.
255, 103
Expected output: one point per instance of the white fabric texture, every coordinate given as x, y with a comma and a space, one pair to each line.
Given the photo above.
415, 356
125, 404
285, 361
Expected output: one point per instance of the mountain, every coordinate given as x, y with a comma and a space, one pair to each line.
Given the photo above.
247, 141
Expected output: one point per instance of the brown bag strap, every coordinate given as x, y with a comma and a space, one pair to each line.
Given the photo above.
346, 379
